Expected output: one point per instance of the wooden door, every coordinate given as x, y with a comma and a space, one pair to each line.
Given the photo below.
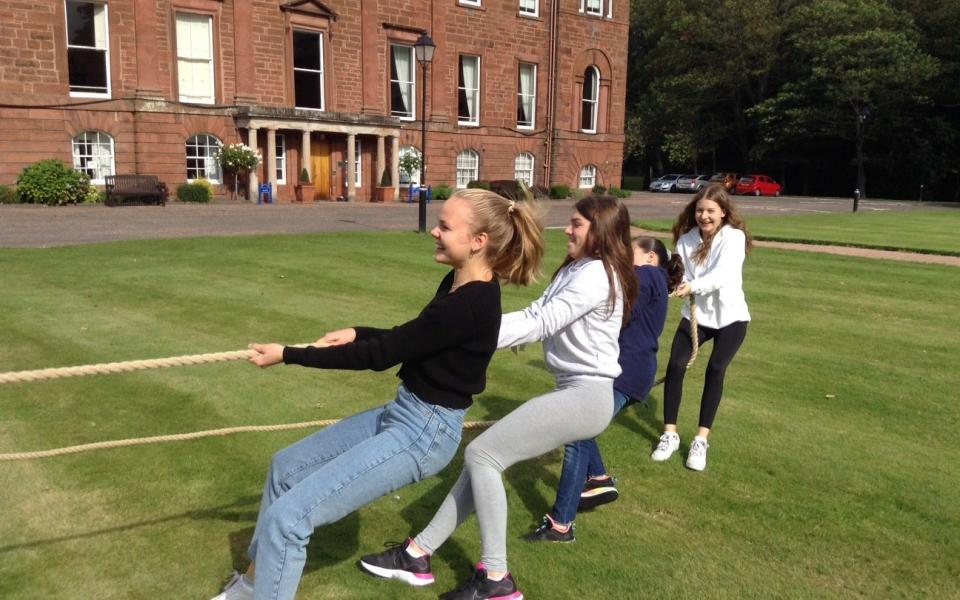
320, 161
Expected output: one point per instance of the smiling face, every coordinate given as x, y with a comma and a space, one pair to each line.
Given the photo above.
709, 217
455, 240
578, 231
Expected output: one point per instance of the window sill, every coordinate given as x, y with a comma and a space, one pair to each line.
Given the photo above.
468, 124
526, 127
535, 17
90, 95
196, 100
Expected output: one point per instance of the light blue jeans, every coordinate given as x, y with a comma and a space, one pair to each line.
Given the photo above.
328, 475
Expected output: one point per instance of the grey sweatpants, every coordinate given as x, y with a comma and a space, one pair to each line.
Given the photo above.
579, 410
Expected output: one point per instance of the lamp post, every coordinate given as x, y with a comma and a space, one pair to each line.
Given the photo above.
424, 48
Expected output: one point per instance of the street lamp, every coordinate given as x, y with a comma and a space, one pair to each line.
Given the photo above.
424, 48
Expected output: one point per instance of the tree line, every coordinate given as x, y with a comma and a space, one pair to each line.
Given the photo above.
824, 95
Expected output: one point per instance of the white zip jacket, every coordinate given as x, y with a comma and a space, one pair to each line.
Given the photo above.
575, 323
718, 281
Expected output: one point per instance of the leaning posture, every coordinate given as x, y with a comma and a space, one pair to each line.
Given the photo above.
713, 241
444, 353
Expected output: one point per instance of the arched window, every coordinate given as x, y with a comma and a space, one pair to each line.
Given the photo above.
202, 158
93, 155
523, 168
414, 177
588, 176
590, 100
468, 167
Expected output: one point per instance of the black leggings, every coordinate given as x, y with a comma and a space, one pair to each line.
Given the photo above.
726, 342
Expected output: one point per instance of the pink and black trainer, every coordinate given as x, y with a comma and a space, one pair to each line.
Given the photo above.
479, 587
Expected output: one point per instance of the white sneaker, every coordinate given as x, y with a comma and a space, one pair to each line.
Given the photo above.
697, 458
668, 444
238, 588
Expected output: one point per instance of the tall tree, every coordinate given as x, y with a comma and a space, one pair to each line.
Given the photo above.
851, 66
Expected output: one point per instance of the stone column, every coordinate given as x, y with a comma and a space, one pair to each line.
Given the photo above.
395, 165
351, 167
252, 181
381, 159
305, 162
271, 162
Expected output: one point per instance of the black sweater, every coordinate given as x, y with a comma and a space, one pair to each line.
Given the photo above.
445, 350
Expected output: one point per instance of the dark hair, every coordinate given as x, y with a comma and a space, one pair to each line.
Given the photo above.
608, 239
688, 219
671, 263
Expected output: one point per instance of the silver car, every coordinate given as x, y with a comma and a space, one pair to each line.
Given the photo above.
665, 183
692, 183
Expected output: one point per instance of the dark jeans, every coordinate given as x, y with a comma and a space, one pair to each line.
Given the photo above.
726, 342
580, 460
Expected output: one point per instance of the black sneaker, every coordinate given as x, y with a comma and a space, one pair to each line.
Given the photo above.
480, 588
396, 563
546, 533
596, 492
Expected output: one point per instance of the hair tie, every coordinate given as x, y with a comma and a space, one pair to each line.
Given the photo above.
510, 208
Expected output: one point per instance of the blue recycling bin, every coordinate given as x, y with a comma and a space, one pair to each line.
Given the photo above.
265, 193
413, 194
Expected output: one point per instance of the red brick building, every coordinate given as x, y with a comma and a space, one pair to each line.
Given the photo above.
517, 89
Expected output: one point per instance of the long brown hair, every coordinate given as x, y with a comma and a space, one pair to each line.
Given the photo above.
671, 263
608, 239
688, 219
514, 232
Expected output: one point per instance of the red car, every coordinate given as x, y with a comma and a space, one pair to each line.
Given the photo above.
758, 185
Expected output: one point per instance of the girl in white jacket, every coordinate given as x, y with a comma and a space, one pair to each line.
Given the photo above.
713, 241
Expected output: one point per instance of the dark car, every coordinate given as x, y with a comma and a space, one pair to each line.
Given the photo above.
758, 185
728, 180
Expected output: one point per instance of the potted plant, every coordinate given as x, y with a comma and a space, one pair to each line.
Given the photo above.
409, 165
385, 191
238, 159
298, 189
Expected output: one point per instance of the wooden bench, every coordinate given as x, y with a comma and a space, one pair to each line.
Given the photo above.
135, 189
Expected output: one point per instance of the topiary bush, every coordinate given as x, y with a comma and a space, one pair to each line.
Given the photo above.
479, 184
617, 192
559, 191
194, 192
52, 182
9, 195
599, 190
442, 191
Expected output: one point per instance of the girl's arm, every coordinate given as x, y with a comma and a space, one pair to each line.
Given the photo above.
728, 268
585, 291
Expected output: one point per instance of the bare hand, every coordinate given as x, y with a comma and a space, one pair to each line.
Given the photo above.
337, 338
266, 355
683, 290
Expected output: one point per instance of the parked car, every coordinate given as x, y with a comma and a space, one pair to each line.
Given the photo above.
728, 180
758, 185
665, 183
692, 183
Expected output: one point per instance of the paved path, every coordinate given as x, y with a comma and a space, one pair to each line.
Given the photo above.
23, 226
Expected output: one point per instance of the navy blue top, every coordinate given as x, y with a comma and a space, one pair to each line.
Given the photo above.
639, 339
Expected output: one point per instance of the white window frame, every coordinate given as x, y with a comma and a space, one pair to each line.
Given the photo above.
323, 83
415, 177
593, 12
472, 169
475, 121
211, 166
280, 149
595, 101
412, 83
524, 8
358, 163
106, 47
532, 96
523, 164
96, 157
588, 174
469, 2
194, 99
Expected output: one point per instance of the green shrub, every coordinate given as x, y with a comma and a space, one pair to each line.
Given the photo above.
617, 192
442, 191
206, 185
540, 192
599, 190
9, 195
304, 175
559, 191
194, 192
577, 194
479, 184
385, 179
94, 196
52, 182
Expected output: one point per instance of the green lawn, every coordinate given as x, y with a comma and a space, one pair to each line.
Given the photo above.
833, 468
930, 231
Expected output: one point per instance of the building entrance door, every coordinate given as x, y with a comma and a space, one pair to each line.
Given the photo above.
320, 161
